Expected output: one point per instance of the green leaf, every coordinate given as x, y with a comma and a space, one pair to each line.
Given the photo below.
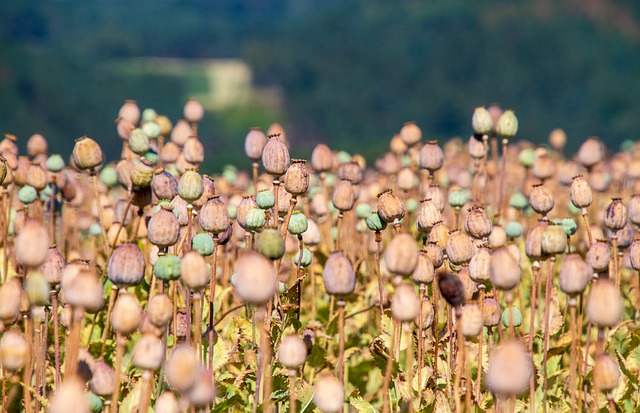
361, 406
226, 404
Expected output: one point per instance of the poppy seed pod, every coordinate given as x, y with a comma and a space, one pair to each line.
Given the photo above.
480, 266
193, 150
424, 271
406, 179
469, 286
554, 240
142, 173
544, 167
37, 289
351, 171
312, 235
581, 194
190, 186
214, 216
13, 351
3, 169
510, 368
435, 193
615, 216
126, 313
181, 368
163, 228
338, 275
606, 373
491, 312
472, 322
343, 196
401, 255
160, 309
129, 111
148, 353
329, 394
270, 244
476, 147
37, 145
541, 199
481, 121
405, 304
126, 265
604, 304
209, 191
167, 267
388, 164
10, 298
533, 242
390, 207
410, 133
255, 278
37, 176
431, 156
590, 153
459, 247
170, 153
254, 143
321, 158
428, 216
166, 403
138, 142
275, 157
194, 271
32, 244
575, 275
246, 205
84, 291
451, 289
87, 154
163, 184
52, 266
103, 379
498, 237
439, 235
203, 391
296, 180
507, 125
599, 256
298, 223
478, 224
504, 271
292, 352
427, 316
193, 110
634, 255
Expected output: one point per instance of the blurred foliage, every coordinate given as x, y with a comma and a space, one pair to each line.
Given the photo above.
351, 71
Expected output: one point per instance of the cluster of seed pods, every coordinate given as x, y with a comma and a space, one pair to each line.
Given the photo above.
143, 283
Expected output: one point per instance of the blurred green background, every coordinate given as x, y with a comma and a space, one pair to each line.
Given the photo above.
346, 72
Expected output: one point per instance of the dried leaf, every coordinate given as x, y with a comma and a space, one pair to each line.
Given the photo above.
441, 404
361, 406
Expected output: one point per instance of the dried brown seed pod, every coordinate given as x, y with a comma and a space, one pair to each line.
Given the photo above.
634, 209
478, 224
70, 397
554, 240
472, 322
103, 379
491, 312
634, 255
203, 391
533, 242
338, 275
431, 156
498, 237
10, 299
160, 309
581, 194
388, 164
427, 316
510, 368
351, 171
37, 176
329, 394
321, 158
296, 180
246, 205
126, 265
180, 209
52, 266
130, 111
193, 150
544, 167
470, 287
255, 278
87, 154
476, 147
194, 271
405, 305
604, 304
214, 216
410, 133
541, 199
111, 236
606, 373
459, 248
292, 352
390, 207
591, 152
275, 157
193, 110
32, 244
434, 252
148, 353
428, 216
125, 316
424, 271
479, 266
166, 403
170, 152
254, 143
83, 291
504, 271
163, 184
181, 368
343, 196
20, 173
407, 179
575, 275
615, 216
163, 228
451, 289
401, 255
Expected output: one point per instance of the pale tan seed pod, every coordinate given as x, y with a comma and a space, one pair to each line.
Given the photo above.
397, 145
351, 171
214, 216
193, 150
130, 111
125, 316
472, 322
147, 327
478, 224
203, 391
181, 368
604, 304
53, 266
431, 156
338, 276
459, 248
575, 275
163, 228
476, 147
296, 180
634, 209
87, 154
557, 139
410, 133
615, 216
434, 252
427, 316
84, 291
504, 271
405, 305
275, 157
254, 143
20, 173
606, 373
544, 167
581, 194
37, 176
170, 153
166, 403
111, 236
321, 158
329, 394
193, 110
437, 196
160, 309
469, 286
10, 300
554, 240
498, 237
388, 164
255, 278
591, 152
491, 312
428, 216
103, 379
343, 196
401, 255
598, 256
142, 173
124, 169
634, 255
284, 200
194, 271
181, 132
407, 179
292, 352
510, 368
424, 272
148, 353
533, 242
568, 171
541, 199
32, 244
479, 266
70, 397
439, 235
8, 145
180, 209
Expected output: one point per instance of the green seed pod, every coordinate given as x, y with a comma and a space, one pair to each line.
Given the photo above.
202, 243
55, 163
506, 317
518, 201
298, 223
507, 125
167, 267
190, 187
94, 401
527, 157
151, 129
513, 229
306, 258
37, 289
481, 121
109, 176
255, 219
265, 199
458, 197
269, 243
375, 223
138, 142
363, 210
27, 194
569, 226
142, 173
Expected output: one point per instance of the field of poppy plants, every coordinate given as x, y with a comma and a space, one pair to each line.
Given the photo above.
487, 274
